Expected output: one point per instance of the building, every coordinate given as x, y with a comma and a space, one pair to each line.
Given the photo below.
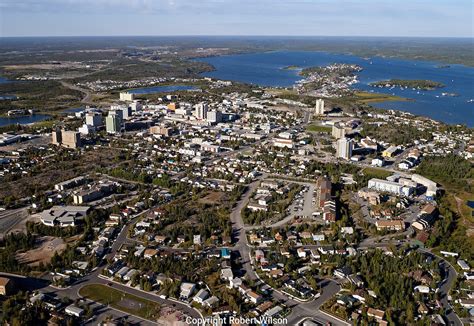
63, 215
6, 286
431, 187
390, 187
344, 148
113, 122
201, 296
161, 130
214, 116
186, 290
94, 119
392, 225
71, 183
69, 139
94, 193
126, 96
283, 143
201, 111
390, 152
338, 131
6, 139
73, 310
423, 222
136, 106
319, 108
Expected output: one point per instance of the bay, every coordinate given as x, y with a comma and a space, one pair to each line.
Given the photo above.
267, 69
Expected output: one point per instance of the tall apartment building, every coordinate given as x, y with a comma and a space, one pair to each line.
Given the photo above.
344, 148
201, 111
324, 200
113, 122
338, 131
319, 108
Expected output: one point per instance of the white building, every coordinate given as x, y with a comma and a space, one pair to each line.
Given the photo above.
389, 186
126, 96
201, 111
344, 148
319, 108
214, 116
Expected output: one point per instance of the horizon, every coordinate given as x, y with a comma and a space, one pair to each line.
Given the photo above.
297, 18
246, 36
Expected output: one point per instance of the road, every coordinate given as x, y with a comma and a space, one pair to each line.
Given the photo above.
87, 94
10, 218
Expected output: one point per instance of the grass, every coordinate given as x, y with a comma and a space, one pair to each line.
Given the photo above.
377, 173
368, 97
120, 300
316, 128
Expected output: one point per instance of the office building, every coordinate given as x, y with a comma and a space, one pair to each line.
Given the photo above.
136, 106
63, 215
126, 96
344, 148
94, 119
201, 111
69, 139
319, 108
113, 122
214, 116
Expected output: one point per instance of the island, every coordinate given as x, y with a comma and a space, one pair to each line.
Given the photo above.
420, 84
292, 67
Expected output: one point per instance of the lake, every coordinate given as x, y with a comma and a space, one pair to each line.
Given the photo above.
23, 120
162, 89
266, 69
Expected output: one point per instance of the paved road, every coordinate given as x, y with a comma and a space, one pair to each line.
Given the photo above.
10, 218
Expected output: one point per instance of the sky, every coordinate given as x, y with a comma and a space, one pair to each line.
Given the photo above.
439, 18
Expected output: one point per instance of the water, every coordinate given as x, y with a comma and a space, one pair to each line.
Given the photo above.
265, 69
23, 120
162, 89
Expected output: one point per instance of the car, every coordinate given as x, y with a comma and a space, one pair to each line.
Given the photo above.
110, 284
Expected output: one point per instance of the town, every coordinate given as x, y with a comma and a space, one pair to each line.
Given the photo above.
220, 204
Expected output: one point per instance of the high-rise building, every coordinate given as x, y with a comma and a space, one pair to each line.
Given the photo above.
338, 131
69, 139
214, 116
319, 108
94, 119
201, 111
113, 122
344, 148
126, 96
56, 137
136, 106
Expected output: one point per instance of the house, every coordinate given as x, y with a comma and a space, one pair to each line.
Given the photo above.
73, 310
211, 302
343, 272
186, 290
259, 254
356, 280
226, 274
301, 253
150, 253
255, 298
201, 296
464, 266
375, 313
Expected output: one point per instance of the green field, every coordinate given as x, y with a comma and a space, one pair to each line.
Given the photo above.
121, 301
316, 128
377, 173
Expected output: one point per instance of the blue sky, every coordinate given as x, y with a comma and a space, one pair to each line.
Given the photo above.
449, 18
